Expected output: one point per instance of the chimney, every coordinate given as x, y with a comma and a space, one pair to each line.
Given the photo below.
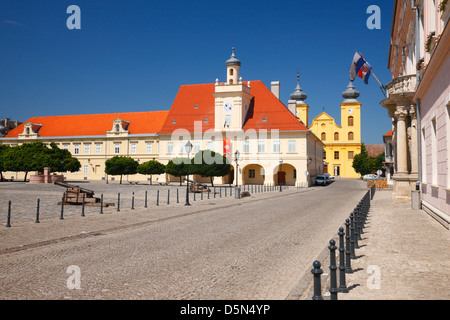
275, 88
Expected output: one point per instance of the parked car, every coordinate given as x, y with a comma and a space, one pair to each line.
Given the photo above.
370, 177
328, 176
321, 180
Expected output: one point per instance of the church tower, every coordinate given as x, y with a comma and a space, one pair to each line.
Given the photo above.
351, 115
232, 99
297, 103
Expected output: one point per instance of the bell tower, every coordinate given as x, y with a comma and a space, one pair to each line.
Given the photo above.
232, 99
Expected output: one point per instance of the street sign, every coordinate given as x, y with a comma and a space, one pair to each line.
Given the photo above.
379, 172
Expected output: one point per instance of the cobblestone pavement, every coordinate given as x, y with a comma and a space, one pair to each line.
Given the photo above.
403, 255
258, 247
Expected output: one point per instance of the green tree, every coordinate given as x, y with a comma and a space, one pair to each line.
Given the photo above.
151, 167
3, 150
27, 157
362, 162
121, 165
377, 162
61, 160
178, 167
207, 163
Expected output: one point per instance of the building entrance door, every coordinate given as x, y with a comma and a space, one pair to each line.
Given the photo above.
337, 171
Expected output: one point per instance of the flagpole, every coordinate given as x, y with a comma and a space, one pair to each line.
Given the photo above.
382, 87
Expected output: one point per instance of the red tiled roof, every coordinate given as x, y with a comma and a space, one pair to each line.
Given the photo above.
374, 149
94, 124
388, 133
182, 114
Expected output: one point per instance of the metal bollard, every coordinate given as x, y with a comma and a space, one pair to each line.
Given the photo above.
194, 195
333, 268
214, 192
316, 271
37, 211
352, 237
348, 267
220, 192
145, 200
61, 217
342, 284
101, 203
168, 196
157, 198
132, 201
118, 201
201, 196
208, 193
178, 198
355, 228
82, 204
8, 221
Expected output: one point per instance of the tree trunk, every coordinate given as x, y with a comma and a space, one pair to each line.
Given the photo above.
212, 181
25, 179
120, 179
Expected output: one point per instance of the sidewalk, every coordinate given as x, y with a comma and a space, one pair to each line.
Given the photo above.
404, 255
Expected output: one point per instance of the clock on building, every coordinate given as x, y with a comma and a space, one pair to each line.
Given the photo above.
350, 111
227, 106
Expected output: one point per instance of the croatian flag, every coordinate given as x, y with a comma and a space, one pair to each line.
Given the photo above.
360, 68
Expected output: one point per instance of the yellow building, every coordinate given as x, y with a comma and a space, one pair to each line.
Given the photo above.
342, 142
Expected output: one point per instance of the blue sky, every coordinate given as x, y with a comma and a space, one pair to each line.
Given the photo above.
133, 55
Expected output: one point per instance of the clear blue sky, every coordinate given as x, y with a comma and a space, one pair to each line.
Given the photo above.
133, 55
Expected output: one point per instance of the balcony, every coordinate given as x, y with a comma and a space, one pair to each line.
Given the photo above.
401, 86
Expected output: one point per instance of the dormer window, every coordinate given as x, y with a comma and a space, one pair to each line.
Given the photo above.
264, 119
174, 121
27, 131
196, 106
205, 121
117, 127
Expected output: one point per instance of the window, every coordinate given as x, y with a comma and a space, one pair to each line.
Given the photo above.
295, 173
324, 155
182, 147
85, 169
28, 131
336, 136
261, 146
170, 147
87, 149
336, 155
133, 148
350, 121
276, 146
196, 147
148, 147
434, 162
117, 128
424, 157
323, 136
350, 154
116, 148
246, 147
210, 145
291, 146
65, 146
76, 149
227, 119
98, 148
231, 72
251, 173
350, 136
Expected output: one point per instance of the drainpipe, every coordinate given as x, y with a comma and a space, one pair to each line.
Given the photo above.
419, 145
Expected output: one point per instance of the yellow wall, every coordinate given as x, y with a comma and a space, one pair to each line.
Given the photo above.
348, 138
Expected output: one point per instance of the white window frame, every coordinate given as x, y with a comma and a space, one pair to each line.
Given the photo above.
86, 169
170, 147
292, 146
87, 148
261, 147
133, 148
98, 148
246, 147
116, 148
196, 147
276, 146
76, 149
148, 147
210, 145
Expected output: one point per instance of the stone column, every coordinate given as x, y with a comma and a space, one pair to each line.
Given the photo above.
413, 149
402, 156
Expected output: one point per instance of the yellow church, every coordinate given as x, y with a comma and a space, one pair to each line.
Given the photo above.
342, 142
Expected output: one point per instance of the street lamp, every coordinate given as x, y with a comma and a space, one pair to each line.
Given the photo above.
236, 155
279, 175
188, 147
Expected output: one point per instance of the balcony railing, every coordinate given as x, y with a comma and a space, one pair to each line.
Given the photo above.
401, 85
